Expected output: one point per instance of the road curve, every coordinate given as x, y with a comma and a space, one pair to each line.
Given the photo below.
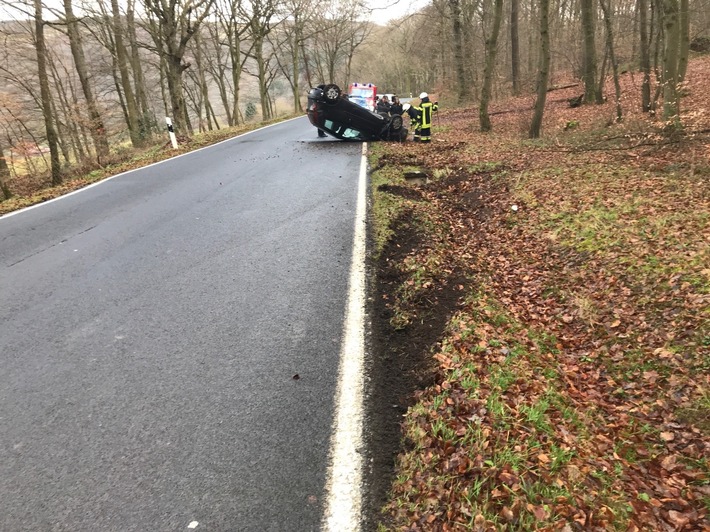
170, 338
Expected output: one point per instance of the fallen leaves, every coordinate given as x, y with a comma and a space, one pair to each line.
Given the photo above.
573, 382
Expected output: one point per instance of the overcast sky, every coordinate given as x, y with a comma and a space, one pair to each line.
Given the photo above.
385, 10
382, 10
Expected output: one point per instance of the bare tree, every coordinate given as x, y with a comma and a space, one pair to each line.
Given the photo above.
671, 59
97, 129
147, 120
645, 55
217, 64
543, 70
515, 45
258, 17
200, 80
684, 46
340, 32
46, 97
612, 56
231, 31
4, 175
172, 24
295, 31
491, 49
459, 61
590, 51
67, 114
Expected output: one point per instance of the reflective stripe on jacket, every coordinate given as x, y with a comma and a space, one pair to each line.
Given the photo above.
426, 110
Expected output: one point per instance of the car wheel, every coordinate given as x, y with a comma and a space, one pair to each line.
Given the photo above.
331, 93
396, 123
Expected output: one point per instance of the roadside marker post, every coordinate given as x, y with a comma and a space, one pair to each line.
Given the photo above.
171, 132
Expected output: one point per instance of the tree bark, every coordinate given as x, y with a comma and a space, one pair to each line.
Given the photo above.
67, 128
645, 53
684, 19
46, 98
543, 70
146, 117
671, 54
96, 127
612, 57
4, 176
122, 60
463, 89
515, 45
227, 14
202, 79
177, 23
590, 52
491, 49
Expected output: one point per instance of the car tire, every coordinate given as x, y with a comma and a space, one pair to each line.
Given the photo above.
331, 93
396, 123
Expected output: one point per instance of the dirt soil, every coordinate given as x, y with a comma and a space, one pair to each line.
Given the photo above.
400, 360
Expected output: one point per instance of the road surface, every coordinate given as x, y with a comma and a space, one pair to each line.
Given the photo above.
169, 341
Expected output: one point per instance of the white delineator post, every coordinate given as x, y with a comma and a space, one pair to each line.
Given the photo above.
171, 132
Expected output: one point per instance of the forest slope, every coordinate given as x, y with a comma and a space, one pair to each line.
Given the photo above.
570, 385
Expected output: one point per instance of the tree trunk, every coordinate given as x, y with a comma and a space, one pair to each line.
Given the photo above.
590, 52
491, 49
612, 56
684, 18
46, 98
219, 73
235, 53
4, 176
63, 133
543, 75
515, 45
172, 24
98, 131
146, 117
202, 79
459, 61
671, 54
122, 60
645, 52
261, 77
173, 75
306, 65
66, 128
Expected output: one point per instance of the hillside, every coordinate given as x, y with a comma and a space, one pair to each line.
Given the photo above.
549, 301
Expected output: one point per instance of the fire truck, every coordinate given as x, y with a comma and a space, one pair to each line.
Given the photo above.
363, 94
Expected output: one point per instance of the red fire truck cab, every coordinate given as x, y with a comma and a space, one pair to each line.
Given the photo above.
363, 94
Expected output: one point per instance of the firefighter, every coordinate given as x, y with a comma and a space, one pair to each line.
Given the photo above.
426, 109
414, 114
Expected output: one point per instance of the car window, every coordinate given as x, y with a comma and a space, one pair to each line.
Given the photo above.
361, 92
344, 131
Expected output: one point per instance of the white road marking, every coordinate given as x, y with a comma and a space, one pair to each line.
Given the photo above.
344, 480
193, 524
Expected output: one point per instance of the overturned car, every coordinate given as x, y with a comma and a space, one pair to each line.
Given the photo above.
331, 111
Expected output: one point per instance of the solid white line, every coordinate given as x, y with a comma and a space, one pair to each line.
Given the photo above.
343, 507
92, 185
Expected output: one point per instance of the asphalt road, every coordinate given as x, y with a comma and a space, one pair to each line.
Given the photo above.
150, 331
